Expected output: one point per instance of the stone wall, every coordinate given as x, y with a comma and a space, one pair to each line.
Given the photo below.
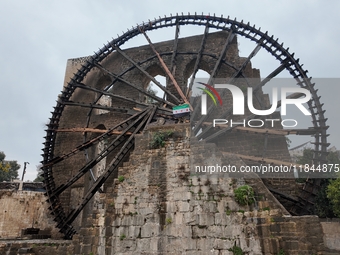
20, 210
331, 230
36, 247
157, 206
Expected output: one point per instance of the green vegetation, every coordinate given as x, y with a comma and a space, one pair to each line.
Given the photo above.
244, 195
122, 237
236, 250
244, 88
327, 202
39, 177
151, 90
159, 138
288, 141
281, 252
8, 168
121, 178
168, 220
333, 195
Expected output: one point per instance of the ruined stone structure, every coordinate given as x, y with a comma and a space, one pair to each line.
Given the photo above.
22, 210
113, 192
160, 208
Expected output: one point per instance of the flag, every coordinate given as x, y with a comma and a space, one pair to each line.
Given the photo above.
181, 110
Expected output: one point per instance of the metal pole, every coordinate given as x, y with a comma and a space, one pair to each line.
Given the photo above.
23, 172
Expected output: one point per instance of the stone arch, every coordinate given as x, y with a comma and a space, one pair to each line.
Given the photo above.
190, 68
154, 70
103, 81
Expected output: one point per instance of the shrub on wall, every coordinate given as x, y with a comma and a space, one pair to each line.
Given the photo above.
159, 138
244, 195
333, 194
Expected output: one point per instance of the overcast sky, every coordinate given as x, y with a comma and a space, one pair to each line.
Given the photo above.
37, 38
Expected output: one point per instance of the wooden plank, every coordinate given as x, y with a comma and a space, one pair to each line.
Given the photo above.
135, 86
166, 69
93, 130
262, 160
228, 112
150, 77
269, 131
198, 59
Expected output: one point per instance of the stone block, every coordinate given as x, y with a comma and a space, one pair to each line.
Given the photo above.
206, 219
171, 206
189, 244
212, 207
177, 196
133, 231
146, 211
190, 218
264, 231
125, 245
154, 244
230, 231
178, 218
194, 253
205, 245
199, 231
292, 245
275, 228
138, 220
149, 230
143, 244
116, 222
182, 196
127, 220
120, 231
194, 180
223, 244
183, 206
220, 218
215, 231
270, 246
288, 228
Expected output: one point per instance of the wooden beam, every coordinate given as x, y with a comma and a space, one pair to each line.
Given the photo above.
308, 131
262, 160
93, 130
198, 59
166, 69
277, 131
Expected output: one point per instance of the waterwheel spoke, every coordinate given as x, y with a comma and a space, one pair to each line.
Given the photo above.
134, 86
229, 39
125, 149
148, 75
102, 92
174, 51
106, 133
229, 111
231, 80
198, 59
111, 147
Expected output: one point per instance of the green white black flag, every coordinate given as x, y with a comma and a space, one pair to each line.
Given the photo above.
181, 110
